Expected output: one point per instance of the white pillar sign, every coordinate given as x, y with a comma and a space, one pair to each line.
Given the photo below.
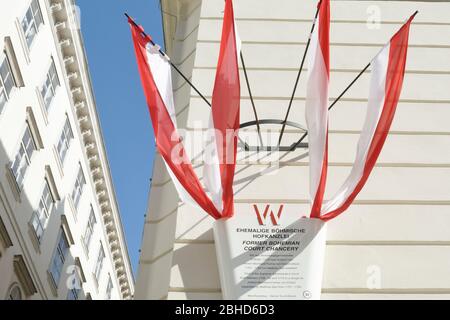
269, 252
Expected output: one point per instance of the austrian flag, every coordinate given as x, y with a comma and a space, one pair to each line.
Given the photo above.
388, 70
317, 106
216, 196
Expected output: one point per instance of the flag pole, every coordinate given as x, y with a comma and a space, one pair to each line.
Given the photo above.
334, 102
246, 146
170, 61
251, 99
343, 92
299, 73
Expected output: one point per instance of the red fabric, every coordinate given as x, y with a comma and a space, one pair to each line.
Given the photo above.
167, 138
225, 107
318, 200
324, 32
324, 43
394, 81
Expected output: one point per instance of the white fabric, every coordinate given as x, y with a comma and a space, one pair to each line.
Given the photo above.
162, 75
316, 110
211, 168
161, 71
374, 110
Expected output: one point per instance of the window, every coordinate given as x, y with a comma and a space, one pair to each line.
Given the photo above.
14, 293
72, 294
22, 159
41, 215
59, 257
48, 90
73, 282
89, 229
64, 140
78, 187
109, 288
6, 81
31, 22
13, 63
99, 264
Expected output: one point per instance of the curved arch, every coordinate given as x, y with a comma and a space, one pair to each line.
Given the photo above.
14, 292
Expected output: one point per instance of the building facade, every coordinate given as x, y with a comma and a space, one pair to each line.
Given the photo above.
60, 231
394, 240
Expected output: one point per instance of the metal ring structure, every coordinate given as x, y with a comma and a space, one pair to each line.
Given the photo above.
291, 147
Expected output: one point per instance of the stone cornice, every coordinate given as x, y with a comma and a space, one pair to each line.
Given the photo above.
68, 39
172, 12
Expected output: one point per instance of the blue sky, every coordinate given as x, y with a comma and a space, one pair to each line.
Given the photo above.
120, 102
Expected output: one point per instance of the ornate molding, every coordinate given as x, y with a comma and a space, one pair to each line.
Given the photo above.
24, 276
68, 39
172, 12
4, 236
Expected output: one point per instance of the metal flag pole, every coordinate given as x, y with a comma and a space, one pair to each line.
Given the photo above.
246, 147
298, 74
251, 99
343, 92
170, 61
335, 101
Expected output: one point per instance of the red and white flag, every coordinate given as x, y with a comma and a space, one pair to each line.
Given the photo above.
388, 70
155, 72
221, 150
317, 106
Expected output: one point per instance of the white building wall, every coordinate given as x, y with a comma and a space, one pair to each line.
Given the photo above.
16, 208
398, 230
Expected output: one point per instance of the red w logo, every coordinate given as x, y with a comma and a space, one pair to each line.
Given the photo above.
263, 218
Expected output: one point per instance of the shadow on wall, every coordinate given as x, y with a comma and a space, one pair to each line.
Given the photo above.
192, 261
28, 260
193, 258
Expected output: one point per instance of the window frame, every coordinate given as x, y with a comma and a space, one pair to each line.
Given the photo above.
78, 187
90, 225
23, 151
3, 88
32, 23
99, 263
49, 85
65, 139
60, 253
41, 216
73, 294
109, 288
